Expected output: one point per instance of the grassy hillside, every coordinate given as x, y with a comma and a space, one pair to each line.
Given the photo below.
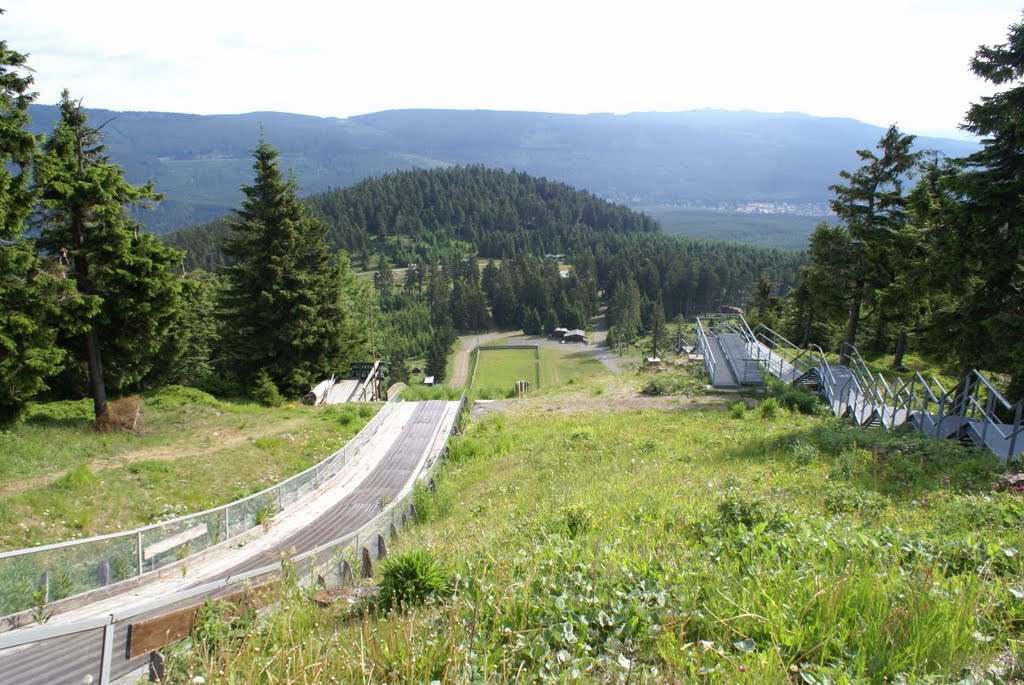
59, 479
591, 537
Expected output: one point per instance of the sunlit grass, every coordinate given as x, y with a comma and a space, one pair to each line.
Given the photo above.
708, 545
59, 479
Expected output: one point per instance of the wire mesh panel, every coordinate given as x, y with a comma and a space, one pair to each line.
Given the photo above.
54, 573
174, 540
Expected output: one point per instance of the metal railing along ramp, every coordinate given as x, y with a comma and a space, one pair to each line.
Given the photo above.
727, 357
974, 411
91, 642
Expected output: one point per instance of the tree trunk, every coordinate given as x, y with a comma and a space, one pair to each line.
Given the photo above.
95, 362
851, 326
901, 347
92, 339
807, 327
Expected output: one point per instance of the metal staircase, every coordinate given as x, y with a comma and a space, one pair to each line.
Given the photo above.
974, 411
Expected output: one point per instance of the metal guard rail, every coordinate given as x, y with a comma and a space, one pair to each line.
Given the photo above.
124, 554
108, 623
705, 350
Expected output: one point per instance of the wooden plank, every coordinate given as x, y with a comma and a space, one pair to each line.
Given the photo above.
174, 541
159, 631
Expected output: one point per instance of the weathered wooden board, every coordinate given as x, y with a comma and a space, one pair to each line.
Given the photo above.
153, 633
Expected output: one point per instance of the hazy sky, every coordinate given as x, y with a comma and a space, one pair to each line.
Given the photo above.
880, 61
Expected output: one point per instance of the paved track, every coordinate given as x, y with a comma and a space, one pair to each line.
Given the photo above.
387, 479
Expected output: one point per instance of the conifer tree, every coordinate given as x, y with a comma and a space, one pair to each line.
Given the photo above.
286, 305
128, 293
969, 214
873, 208
28, 350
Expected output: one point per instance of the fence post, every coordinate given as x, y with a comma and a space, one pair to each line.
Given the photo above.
138, 546
227, 522
108, 652
1016, 430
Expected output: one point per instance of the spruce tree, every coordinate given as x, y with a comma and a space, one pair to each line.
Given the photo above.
873, 208
286, 308
127, 292
28, 350
969, 211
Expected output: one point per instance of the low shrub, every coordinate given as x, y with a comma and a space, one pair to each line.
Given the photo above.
410, 578
769, 409
264, 391
179, 395
218, 387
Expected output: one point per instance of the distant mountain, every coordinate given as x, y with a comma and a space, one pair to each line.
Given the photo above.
697, 158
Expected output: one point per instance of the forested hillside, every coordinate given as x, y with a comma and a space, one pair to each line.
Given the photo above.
417, 216
699, 158
436, 224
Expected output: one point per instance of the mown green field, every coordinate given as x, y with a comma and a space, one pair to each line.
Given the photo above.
711, 545
498, 370
567, 364
59, 479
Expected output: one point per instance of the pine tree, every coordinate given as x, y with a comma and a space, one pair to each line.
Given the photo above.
873, 207
969, 216
129, 293
286, 304
28, 350
437, 353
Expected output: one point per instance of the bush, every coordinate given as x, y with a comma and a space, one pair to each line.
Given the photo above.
844, 499
737, 410
797, 399
769, 409
410, 578
577, 519
264, 391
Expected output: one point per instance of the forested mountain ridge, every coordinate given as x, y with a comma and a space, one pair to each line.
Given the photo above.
702, 157
418, 216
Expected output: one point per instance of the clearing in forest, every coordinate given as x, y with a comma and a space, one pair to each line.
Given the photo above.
500, 369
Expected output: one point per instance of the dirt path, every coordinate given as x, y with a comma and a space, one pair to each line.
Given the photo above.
467, 343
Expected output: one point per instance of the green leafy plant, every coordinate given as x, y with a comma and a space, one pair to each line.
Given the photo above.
264, 391
265, 515
577, 519
737, 410
410, 578
769, 409
220, 624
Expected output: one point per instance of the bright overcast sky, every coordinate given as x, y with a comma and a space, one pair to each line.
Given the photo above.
880, 61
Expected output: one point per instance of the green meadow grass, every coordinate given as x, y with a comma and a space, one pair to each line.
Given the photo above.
59, 479
500, 369
567, 364
716, 545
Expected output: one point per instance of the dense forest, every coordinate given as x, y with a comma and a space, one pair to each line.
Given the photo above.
417, 216
436, 224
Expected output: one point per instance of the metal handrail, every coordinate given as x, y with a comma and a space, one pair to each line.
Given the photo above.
102, 651
705, 348
187, 517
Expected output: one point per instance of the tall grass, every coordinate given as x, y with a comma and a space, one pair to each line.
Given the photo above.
650, 546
